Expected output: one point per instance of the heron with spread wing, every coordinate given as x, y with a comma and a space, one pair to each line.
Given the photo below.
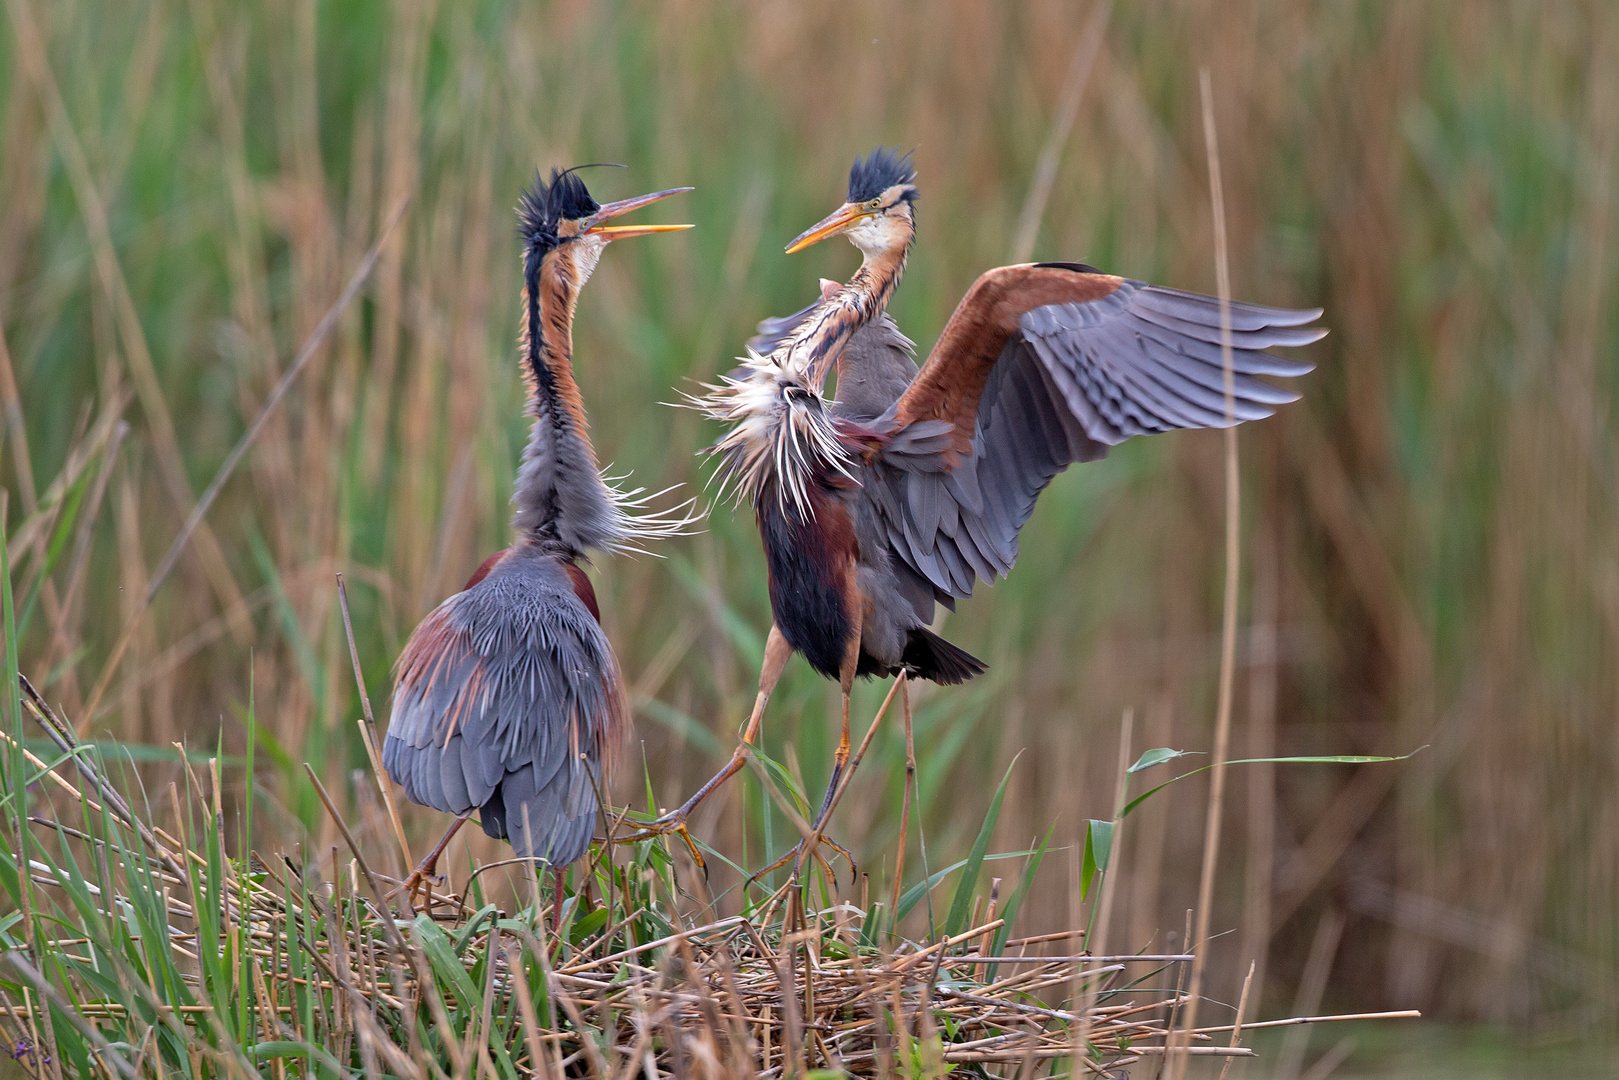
913, 484
508, 701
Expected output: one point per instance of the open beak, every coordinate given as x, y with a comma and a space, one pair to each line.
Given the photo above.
623, 206
834, 223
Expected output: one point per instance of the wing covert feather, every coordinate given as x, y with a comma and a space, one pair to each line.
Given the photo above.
1043, 365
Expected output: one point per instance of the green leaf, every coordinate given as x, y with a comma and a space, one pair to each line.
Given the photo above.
283, 1049
1155, 757
1336, 759
1098, 848
961, 907
440, 952
1015, 901
465, 936
913, 896
588, 925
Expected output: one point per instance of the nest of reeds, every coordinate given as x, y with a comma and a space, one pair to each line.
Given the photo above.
177, 954
138, 949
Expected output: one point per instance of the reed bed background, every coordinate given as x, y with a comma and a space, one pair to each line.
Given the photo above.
1430, 550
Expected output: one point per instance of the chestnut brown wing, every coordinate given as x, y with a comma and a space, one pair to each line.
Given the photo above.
1043, 365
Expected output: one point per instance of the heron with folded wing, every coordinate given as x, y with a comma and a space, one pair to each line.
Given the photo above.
507, 698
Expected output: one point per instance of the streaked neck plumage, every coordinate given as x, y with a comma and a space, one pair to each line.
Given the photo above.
824, 334
560, 496
563, 501
782, 430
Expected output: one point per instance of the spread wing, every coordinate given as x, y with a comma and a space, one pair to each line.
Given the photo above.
498, 692
1044, 365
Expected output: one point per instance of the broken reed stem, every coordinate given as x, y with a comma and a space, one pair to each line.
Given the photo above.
1228, 623
1242, 1007
1297, 1021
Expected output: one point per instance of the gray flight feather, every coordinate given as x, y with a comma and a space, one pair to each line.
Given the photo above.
1076, 379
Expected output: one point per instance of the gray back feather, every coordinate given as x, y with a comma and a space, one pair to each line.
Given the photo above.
508, 703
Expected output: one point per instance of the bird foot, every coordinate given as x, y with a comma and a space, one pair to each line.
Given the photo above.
421, 880
672, 822
796, 853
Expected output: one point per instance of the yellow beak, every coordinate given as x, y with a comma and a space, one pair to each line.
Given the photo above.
623, 206
837, 221
620, 232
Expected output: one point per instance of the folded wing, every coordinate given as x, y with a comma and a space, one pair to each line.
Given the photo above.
499, 692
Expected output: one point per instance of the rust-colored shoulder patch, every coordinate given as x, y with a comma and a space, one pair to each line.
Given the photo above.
583, 589
952, 380
483, 569
434, 647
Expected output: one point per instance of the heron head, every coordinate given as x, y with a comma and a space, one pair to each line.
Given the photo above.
560, 220
878, 213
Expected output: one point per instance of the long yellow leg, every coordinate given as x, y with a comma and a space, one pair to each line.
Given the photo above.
840, 760
777, 653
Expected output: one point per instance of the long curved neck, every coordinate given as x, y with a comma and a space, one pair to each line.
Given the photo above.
560, 496
865, 297
550, 302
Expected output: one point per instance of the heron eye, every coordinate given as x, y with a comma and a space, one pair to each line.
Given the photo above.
876, 204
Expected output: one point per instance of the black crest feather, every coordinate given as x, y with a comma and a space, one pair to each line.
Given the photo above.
878, 171
544, 206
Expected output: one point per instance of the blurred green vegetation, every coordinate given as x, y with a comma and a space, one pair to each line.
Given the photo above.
1430, 537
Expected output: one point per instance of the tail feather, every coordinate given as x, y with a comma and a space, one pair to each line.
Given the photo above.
929, 656
550, 819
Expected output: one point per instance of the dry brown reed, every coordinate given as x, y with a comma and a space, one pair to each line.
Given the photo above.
1434, 550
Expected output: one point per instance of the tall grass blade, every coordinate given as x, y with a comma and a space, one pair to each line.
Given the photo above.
961, 906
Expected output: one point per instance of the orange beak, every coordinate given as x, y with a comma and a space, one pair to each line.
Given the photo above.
623, 206
840, 219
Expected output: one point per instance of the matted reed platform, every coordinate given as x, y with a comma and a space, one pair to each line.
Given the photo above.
159, 954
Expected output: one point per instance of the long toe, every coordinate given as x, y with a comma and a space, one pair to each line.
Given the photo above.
675, 821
